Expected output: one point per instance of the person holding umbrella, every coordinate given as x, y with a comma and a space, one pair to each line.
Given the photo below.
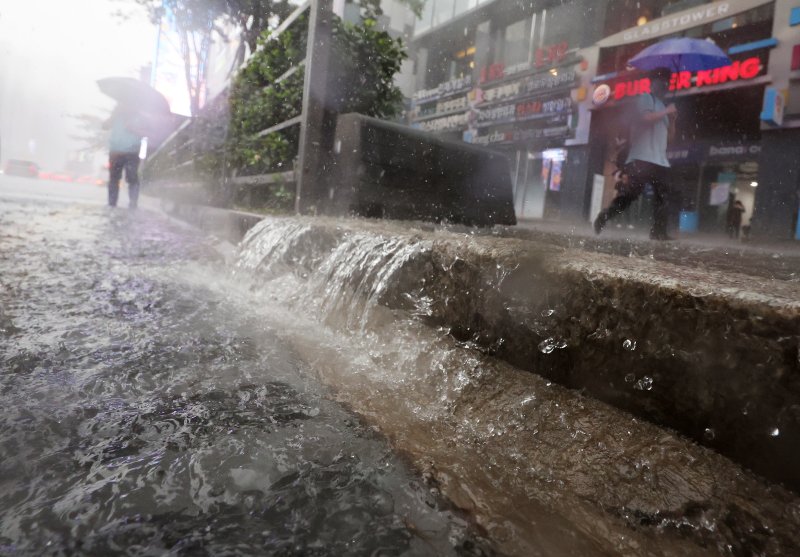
652, 125
140, 112
124, 144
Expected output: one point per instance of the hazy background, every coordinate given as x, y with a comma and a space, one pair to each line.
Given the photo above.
51, 54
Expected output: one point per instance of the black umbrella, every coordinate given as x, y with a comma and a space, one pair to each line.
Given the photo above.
153, 117
135, 94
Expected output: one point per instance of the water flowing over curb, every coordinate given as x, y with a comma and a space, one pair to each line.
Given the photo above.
424, 322
447, 322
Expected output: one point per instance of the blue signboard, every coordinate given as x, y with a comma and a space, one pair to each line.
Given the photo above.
797, 231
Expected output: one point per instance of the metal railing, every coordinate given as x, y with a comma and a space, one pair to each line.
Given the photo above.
177, 162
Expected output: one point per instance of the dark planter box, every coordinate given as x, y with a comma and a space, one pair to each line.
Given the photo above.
386, 170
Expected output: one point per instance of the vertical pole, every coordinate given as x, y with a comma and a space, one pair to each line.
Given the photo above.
314, 132
699, 197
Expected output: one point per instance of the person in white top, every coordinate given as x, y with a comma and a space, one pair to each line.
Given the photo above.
652, 126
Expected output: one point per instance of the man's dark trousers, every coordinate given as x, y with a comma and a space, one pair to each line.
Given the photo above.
642, 173
130, 163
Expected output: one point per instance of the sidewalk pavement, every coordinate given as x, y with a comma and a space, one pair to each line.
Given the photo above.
771, 259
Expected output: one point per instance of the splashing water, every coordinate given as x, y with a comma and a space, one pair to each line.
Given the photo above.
188, 410
147, 414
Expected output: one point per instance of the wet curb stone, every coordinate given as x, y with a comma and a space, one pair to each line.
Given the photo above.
714, 355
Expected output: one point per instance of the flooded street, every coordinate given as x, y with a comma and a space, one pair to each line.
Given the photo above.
292, 400
400, 278
145, 415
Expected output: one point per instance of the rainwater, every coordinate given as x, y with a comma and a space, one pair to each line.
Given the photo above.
161, 400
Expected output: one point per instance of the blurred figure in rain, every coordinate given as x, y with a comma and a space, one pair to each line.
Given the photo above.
124, 145
652, 125
622, 185
735, 212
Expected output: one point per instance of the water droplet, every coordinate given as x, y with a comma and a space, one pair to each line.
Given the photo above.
561, 344
644, 384
630, 378
709, 434
629, 344
775, 432
547, 346
548, 312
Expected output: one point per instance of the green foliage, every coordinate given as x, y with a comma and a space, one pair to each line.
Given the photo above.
364, 62
257, 102
372, 8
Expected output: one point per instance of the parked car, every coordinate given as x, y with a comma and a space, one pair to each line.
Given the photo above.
22, 168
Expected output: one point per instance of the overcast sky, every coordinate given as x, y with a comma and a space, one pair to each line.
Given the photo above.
51, 54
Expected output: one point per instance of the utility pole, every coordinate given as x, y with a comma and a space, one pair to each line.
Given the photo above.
317, 129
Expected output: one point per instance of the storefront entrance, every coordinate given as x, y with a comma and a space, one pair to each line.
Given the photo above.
707, 191
537, 182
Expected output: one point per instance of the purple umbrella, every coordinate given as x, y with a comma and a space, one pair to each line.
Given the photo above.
154, 118
135, 94
681, 55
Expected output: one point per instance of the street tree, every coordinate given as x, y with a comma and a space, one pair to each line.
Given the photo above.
92, 135
200, 22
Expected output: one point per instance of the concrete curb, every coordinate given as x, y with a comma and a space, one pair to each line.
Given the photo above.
713, 355
705, 361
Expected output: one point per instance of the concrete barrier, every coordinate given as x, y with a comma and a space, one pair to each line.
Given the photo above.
390, 171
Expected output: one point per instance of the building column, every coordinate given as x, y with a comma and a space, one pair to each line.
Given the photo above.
575, 194
778, 192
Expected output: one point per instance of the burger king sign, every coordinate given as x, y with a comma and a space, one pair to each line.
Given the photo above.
601, 94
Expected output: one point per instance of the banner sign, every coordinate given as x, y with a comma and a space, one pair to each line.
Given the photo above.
447, 107
743, 70
549, 55
774, 104
522, 111
457, 103
719, 193
446, 88
532, 84
448, 123
681, 21
515, 136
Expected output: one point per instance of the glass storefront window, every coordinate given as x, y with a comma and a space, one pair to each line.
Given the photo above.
464, 6
425, 19
443, 11
562, 24
516, 44
624, 14
752, 25
438, 12
679, 5
536, 173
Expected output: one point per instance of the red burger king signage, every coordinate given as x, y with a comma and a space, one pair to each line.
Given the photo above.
737, 71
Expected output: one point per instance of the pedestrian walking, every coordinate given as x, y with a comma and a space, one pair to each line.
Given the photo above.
652, 125
124, 144
735, 212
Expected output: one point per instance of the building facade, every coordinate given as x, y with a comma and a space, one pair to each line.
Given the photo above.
547, 83
509, 75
